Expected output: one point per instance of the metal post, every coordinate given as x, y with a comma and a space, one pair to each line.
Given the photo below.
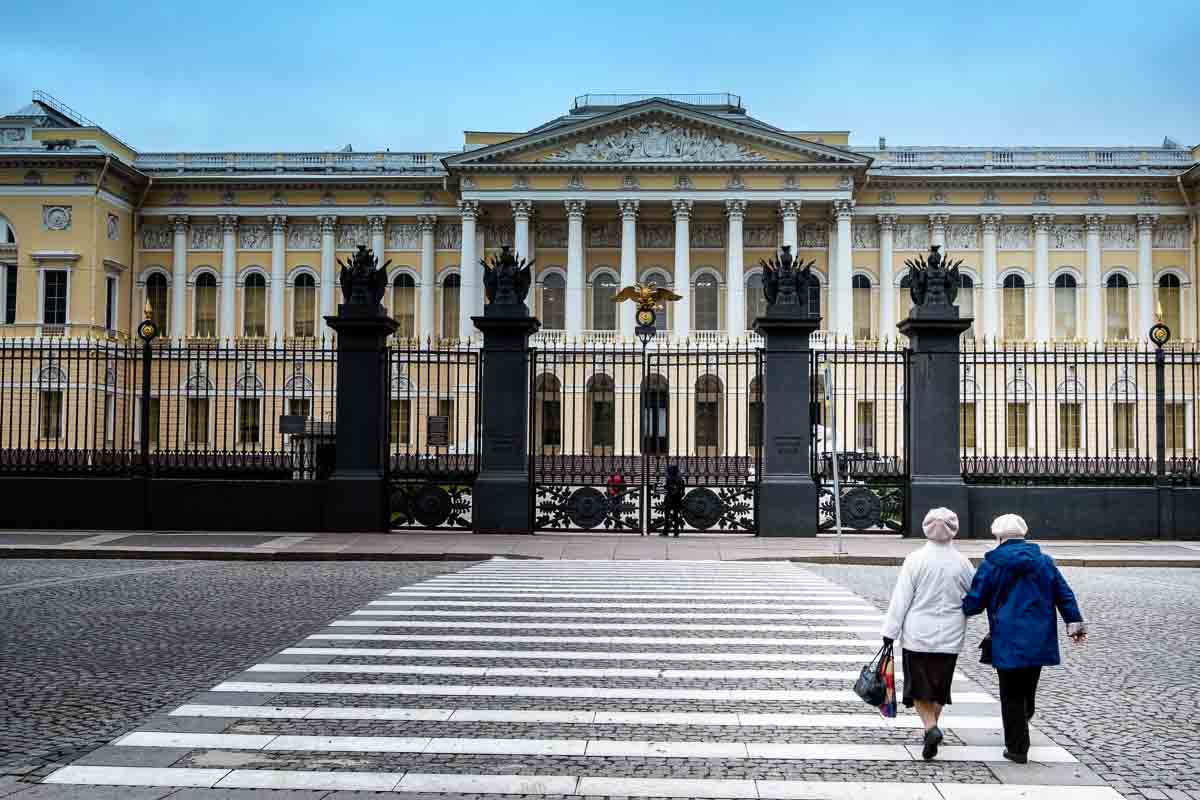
144, 437
837, 488
1160, 413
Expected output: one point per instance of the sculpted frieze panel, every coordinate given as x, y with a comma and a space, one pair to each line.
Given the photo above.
1171, 236
157, 237
552, 234
911, 236
1120, 236
304, 237
962, 236
760, 235
655, 141
1067, 237
812, 234
707, 234
205, 237
352, 235
864, 236
448, 236
404, 236
1013, 236
498, 235
254, 236
656, 235
604, 234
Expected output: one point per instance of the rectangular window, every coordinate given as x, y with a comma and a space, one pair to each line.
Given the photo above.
400, 422
249, 420
153, 425
50, 407
552, 422
861, 304
1017, 425
110, 418
707, 423
197, 420
446, 409
1175, 426
754, 422
1070, 426
10, 294
299, 407
864, 425
1014, 314
966, 426
1124, 422
110, 303
54, 301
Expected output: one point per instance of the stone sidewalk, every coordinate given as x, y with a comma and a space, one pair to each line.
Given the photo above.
450, 546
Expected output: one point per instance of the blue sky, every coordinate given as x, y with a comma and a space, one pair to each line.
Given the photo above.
413, 76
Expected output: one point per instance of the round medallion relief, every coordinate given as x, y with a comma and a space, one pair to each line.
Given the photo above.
586, 507
861, 508
702, 508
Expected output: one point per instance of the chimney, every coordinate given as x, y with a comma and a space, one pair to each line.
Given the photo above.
882, 143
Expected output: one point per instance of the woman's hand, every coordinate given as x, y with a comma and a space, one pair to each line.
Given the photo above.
1077, 631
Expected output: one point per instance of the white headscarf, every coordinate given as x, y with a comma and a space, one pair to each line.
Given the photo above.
1009, 526
940, 525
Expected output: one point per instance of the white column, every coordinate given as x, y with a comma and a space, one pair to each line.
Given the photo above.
228, 324
683, 266
179, 278
845, 267
378, 226
789, 210
735, 296
328, 275
990, 300
937, 230
629, 213
831, 277
1094, 289
468, 269
481, 252
1145, 275
521, 210
1041, 276
278, 274
575, 266
428, 223
887, 276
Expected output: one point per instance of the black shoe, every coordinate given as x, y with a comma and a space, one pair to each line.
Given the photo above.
677, 536
664, 534
933, 738
1016, 758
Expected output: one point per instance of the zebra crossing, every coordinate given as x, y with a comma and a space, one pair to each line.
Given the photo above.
630, 679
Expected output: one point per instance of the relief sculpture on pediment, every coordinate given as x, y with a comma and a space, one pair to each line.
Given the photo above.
404, 236
1171, 236
865, 236
656, 235
351, 236
156, 237
911, 236
962, 236
1013, 236
654, 141
760, 235
708, 234
813, 234
304, 237
448, 236
1066, 237
1120, 236
604, 234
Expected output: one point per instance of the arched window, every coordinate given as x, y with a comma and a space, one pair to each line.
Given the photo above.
548, 408
662, 320
904, 304
450, 288
1116, 305
756, 301
754, 416
1170, 298
705, 303
7, 234
1066, 315
554, 301
404, 299
156, 296
602, 414
304, 306
254, 312
708, 416
206, 305
655, 415
1014, 307
604, 310
966, 301
861, 288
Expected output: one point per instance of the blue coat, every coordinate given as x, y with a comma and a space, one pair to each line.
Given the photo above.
1020, 588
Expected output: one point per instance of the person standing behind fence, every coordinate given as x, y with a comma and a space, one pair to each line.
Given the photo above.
925, 613
1020, 587
673, 491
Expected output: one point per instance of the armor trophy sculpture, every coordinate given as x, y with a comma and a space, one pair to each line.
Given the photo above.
506, 281
650, 299
363, 283
790, 286
934, 288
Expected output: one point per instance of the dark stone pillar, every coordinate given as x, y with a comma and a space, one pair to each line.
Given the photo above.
933, 416
501, 500
787, 495
357, 493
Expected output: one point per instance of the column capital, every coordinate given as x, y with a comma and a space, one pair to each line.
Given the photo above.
469, 209
1094, 223
843, 209
428, 223
682, 209
938, 222
1146, 222
521, 208
229, 223
789, 208
180, 222
278, 223
328, 223
736, 209
887, 222
377, 222
991, 222
1042, 222
575, 208
629, 209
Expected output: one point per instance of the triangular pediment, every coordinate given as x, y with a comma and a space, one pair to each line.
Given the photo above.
655, 133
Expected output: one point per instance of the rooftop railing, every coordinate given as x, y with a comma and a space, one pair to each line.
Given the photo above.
1025, 157
703, 99
425, 162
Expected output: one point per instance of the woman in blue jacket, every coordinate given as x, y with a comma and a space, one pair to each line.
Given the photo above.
1021, 588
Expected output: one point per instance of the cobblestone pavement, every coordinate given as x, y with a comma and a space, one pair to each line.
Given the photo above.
90, 647
603, 679
1125, 703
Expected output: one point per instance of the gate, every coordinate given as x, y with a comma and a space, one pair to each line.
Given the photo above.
433, 434
869, 409
605, 423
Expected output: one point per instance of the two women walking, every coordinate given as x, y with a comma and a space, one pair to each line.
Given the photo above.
1018, 586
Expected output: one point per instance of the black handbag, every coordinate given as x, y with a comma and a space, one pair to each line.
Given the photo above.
985, 650
870, 685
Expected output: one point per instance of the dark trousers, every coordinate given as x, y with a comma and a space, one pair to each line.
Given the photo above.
1017, 690
673, 521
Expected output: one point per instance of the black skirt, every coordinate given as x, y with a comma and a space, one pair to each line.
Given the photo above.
927, 676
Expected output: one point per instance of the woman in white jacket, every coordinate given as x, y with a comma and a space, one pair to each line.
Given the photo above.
925, 614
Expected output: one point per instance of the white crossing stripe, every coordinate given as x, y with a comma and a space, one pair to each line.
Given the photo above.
597, 692
764, 641
595, 626
643, 595
604, 614
581, 655
859, 606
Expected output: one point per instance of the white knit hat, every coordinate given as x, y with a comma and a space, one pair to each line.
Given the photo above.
940, 525
1009, 526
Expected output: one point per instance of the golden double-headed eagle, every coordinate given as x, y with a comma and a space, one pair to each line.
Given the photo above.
648, 296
